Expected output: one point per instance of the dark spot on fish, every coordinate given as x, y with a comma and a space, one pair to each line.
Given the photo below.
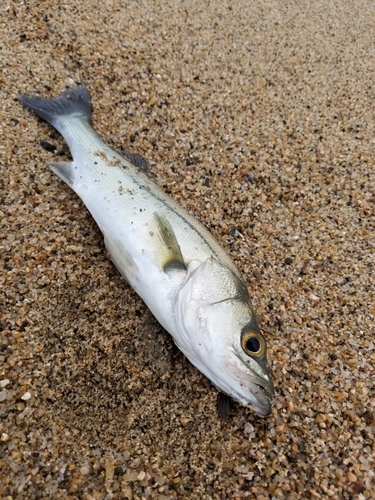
288, 261
48, 146
132, 138
224, 405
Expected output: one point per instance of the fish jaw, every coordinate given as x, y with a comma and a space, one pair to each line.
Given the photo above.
250, 388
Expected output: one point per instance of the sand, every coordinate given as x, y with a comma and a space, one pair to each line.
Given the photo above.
259, 118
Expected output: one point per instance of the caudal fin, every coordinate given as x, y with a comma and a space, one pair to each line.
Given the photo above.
75, 101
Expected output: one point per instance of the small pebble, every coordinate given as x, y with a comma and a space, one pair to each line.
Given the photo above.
141, 476
130, 476
351, 477
298, 320
109, 470
314, 298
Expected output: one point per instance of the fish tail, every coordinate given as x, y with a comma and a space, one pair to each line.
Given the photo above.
72, 102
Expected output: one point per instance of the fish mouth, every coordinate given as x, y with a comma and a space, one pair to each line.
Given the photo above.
264, 407
267, 387
255, 391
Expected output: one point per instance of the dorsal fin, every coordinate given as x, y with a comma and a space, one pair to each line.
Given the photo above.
137, 160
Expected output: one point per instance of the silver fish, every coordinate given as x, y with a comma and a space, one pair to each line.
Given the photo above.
171, 260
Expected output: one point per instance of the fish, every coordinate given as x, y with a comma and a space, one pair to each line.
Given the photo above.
173, 262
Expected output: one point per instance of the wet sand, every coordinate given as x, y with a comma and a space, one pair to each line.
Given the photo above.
259, 118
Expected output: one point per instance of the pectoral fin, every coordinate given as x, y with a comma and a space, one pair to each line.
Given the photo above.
120, 257
169, 250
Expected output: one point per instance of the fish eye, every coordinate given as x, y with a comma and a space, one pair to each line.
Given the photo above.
253, 343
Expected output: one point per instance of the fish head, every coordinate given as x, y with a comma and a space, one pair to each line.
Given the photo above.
218, 331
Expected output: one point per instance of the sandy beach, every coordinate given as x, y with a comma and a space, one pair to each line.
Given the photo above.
259, 118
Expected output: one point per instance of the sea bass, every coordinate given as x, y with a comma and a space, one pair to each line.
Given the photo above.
171, 260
